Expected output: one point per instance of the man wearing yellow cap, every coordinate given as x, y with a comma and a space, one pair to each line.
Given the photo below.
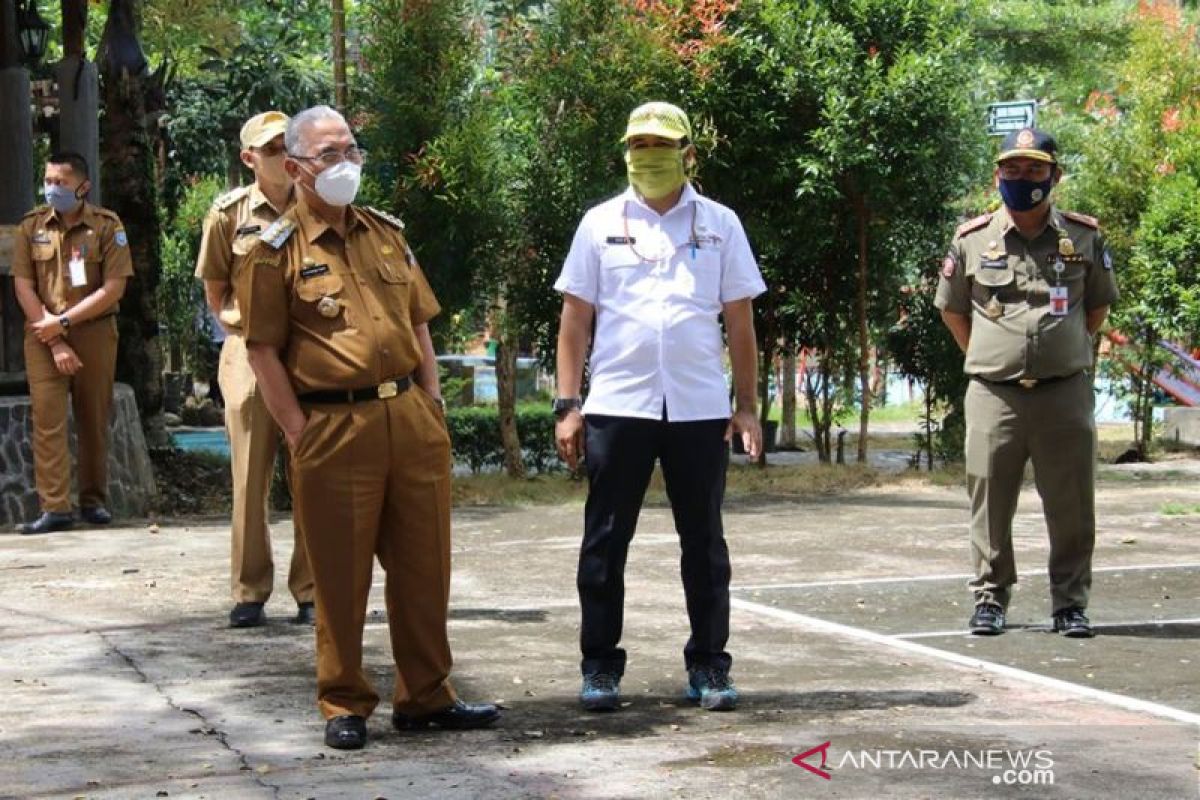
656, 267
1023, 291
232, 227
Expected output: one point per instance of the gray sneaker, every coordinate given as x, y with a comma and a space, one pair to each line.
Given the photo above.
601, 691
712, 688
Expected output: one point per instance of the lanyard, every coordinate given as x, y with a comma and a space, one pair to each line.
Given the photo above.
629, 239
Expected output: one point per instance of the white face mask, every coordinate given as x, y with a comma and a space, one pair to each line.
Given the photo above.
338, 185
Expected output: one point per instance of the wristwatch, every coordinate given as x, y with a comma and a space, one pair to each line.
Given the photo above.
563, 406
65, 322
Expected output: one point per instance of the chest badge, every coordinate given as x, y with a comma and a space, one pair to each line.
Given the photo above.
328, 308
994, 309
1066, 247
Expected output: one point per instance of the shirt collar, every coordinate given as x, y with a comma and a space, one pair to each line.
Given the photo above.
312, 226
1003, 220
258, 198
689, 195
88, 218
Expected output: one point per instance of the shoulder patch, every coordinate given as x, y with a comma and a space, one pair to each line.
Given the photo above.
278, 232
1082, 219
229, 198
394, 221
973, 224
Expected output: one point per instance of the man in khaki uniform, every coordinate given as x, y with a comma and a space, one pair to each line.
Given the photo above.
335, 311
70, 261
230, 230
1023, 291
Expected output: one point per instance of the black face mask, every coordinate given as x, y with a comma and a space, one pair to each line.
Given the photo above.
1023, 195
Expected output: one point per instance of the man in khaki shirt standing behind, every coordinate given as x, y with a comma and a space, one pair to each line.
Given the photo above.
70, 263
232, 227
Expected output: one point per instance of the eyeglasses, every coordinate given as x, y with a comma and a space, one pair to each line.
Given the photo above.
270, 150
331, 157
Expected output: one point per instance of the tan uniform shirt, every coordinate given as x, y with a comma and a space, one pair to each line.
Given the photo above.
44, 247
1004, 281
340, 312
231, 229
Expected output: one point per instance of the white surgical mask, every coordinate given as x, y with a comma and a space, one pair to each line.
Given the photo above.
338, 185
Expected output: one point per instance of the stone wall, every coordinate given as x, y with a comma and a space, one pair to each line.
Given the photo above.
1182, 426
131, 489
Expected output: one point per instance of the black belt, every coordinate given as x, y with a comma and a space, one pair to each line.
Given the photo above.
383, 391
1026, 383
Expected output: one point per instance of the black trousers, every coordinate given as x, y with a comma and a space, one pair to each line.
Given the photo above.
621, 452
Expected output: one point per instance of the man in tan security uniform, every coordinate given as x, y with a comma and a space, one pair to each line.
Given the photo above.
1023, 291
335, 311
70, 261
230, 230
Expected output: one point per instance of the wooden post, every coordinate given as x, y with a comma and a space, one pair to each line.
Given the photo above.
339, 55
16, 176
79, 95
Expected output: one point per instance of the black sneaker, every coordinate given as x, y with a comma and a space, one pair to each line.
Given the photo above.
988, 620
712, 689
601, 691
1074, 623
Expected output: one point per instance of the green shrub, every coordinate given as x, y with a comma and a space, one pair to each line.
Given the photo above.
475, 437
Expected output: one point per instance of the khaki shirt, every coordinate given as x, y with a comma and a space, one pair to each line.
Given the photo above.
231, 229
341, 313
1003, 281
43, 248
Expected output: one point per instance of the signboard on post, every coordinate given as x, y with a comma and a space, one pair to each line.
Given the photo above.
1004, 118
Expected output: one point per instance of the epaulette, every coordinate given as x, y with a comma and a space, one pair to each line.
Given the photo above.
278, 232
34, 212
106, 213
395, 222
1082, 219
973, 224
229, 198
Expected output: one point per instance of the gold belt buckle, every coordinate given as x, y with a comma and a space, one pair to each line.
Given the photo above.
387, 390
1028, 383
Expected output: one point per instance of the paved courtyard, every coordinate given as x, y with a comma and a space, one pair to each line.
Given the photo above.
122, 680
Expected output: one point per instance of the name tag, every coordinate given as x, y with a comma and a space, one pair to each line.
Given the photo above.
621, 240
993, 263
77, 269
1058, 301
248, 229
314, 270
41, 238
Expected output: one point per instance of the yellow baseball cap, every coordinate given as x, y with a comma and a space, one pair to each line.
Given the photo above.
262, 128
658, 119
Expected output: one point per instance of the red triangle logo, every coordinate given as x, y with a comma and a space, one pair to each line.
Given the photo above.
823, 749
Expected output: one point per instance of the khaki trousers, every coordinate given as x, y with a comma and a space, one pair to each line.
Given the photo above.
253, 443
91, 390
1053, 425
372, 479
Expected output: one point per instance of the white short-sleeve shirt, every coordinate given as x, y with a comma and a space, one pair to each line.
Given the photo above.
657, 284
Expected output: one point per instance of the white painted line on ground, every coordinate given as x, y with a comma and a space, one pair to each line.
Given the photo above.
1100, 626
849, 632
955, 577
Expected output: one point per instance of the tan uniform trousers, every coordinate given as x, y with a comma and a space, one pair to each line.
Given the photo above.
91, 390
1053, 425
372, 479
253, 443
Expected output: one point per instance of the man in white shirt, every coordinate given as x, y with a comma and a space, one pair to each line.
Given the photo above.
655, 267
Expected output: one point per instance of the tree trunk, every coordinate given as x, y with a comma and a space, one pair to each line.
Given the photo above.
787, 389
127, 163
506, 392
815, 385
339, 55
862, 216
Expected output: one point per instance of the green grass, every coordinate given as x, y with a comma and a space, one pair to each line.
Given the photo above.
1174, 509
905, 412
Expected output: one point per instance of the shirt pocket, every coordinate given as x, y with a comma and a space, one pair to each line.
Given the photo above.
242, 245
320, 303
998, 282
619, 267
705, 268
395, 284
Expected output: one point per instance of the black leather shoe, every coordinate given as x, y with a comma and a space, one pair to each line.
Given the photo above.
247, 615
96, 515
458, 717
1074, 623
306, 614
48, 522
347, 732
988, 620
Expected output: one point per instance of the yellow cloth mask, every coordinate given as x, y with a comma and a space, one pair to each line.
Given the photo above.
655, 172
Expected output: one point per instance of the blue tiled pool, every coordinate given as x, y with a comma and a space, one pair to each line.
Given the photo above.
212, 440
